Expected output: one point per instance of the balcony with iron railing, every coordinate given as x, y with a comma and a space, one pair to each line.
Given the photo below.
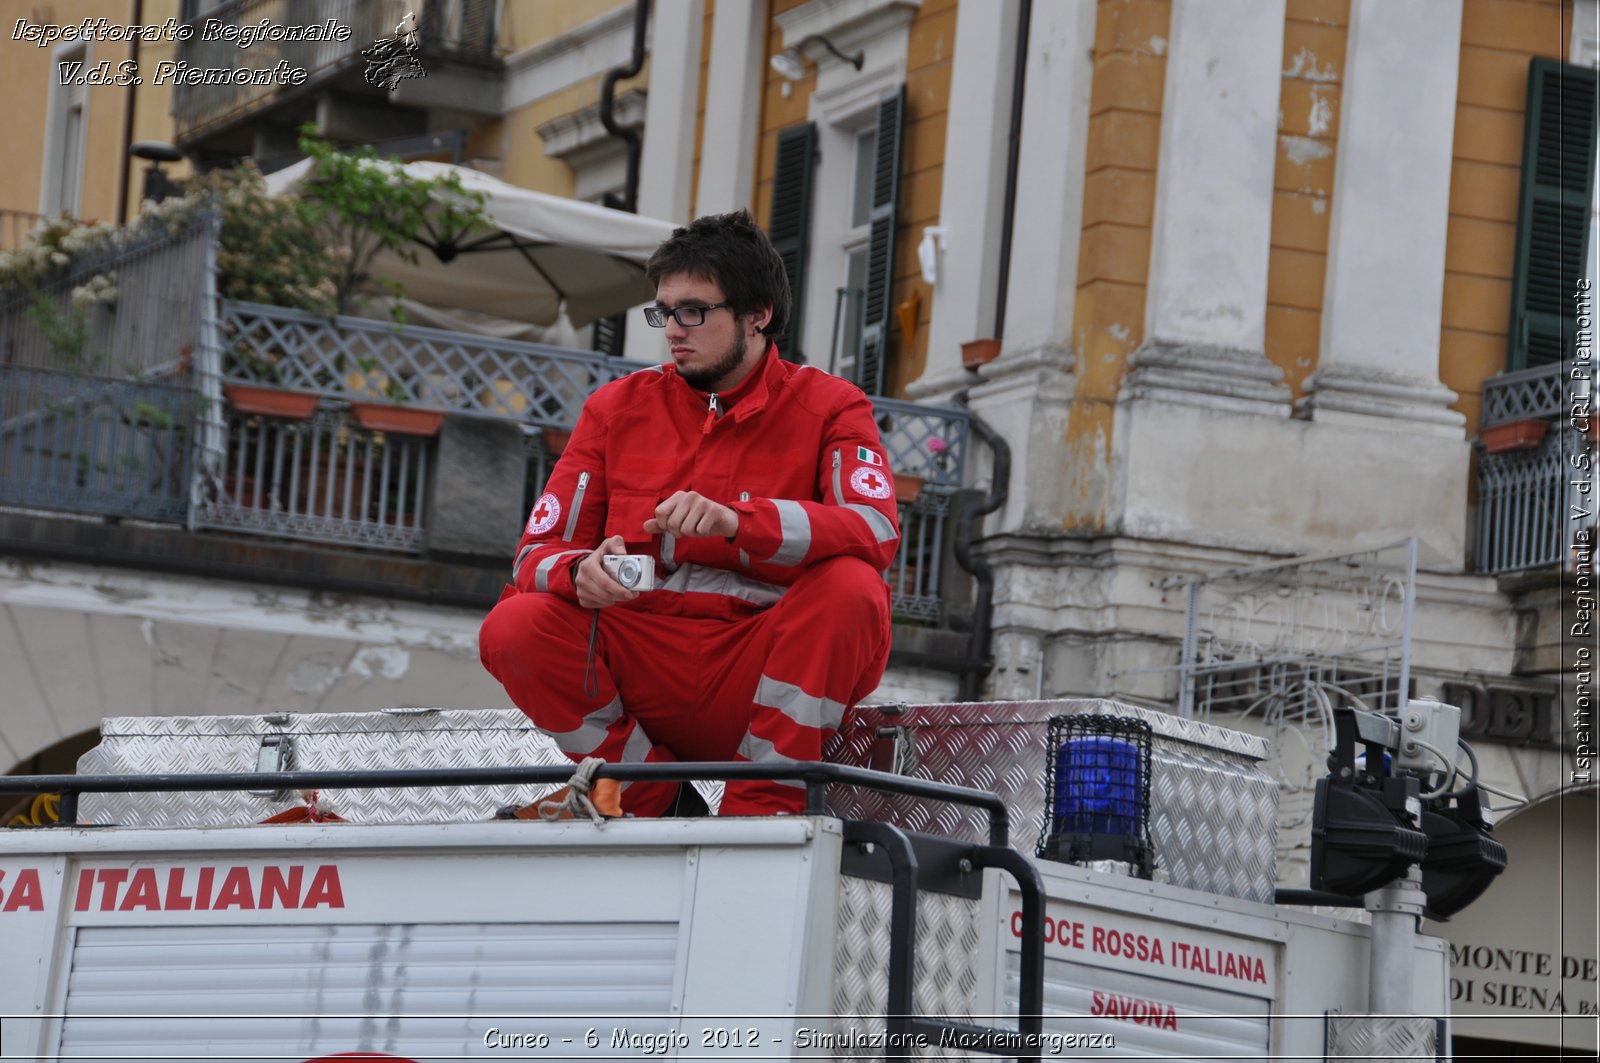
1537, 435
453, 35
160, 430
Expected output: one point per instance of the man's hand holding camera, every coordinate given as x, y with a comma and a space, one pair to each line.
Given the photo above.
685, 514
596, 587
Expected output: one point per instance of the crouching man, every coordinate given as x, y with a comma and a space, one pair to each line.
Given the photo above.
761, 492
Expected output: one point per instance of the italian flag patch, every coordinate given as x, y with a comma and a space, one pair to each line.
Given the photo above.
867, 456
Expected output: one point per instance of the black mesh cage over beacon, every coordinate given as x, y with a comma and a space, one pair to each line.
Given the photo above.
1097, 791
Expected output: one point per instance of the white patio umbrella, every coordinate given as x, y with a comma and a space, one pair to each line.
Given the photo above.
543, 252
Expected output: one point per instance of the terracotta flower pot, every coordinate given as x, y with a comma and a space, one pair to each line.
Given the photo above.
979, 352
555, 439
270, 402
401, 420
907, 488
1513, 435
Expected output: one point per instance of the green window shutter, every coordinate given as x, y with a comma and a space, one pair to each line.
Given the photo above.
880, 250
790, 225
1553, 215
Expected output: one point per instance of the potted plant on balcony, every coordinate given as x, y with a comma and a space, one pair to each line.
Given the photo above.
362, 206
1506, 436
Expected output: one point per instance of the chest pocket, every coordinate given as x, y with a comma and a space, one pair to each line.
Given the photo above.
626, 512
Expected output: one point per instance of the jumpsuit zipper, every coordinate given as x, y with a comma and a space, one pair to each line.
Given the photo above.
577, 505
838, 486
713, 411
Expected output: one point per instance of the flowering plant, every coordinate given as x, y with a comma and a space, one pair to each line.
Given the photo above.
938, 453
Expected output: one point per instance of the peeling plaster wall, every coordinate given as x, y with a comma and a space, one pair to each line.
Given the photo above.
79, 643
1314, 40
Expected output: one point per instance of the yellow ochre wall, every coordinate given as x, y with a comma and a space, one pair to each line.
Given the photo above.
25, 73
515, 139
1498, 38
1315, 35
700, 106
1124, 141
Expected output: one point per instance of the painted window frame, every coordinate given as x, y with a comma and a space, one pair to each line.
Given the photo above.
61, 146
842, 116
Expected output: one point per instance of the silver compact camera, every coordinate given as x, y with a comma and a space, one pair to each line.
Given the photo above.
637, 572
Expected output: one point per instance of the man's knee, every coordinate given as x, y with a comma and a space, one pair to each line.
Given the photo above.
519, 625
848, 590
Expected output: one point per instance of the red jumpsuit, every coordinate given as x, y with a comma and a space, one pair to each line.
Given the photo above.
751, 648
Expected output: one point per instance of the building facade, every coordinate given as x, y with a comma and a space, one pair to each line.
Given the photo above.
1235, 283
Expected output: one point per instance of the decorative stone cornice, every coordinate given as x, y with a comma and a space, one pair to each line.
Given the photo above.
1399, 401
847, 23
1214, 377
585, 51
569, 134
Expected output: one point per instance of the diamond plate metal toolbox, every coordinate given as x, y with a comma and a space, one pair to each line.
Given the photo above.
1213, 815
341, 741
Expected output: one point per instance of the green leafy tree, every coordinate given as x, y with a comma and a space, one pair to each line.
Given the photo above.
367, 205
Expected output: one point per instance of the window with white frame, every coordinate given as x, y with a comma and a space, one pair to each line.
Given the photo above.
62, 177
848, 264
836, 183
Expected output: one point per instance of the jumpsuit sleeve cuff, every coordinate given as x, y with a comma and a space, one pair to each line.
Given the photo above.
760, 534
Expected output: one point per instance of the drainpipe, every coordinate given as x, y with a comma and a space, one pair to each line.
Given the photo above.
1019, 78
137, 19
979, 644
608, 91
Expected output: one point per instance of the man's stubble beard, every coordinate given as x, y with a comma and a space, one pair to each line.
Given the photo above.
705, 379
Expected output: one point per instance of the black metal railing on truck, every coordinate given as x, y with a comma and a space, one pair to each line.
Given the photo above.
908, 861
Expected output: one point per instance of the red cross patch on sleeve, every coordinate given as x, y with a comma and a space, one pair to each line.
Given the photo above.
545, 513
871, 483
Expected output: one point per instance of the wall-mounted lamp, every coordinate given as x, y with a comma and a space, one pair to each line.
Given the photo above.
791, 62
157, 185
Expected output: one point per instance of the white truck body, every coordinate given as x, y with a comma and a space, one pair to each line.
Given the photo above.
684, 939
677, 938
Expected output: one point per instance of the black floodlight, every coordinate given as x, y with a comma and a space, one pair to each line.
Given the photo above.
1365, 823
1462, 859
1097, 789
1361, 837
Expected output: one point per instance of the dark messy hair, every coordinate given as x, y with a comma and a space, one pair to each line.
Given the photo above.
732, 252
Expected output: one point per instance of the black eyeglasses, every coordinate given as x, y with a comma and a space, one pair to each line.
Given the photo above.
687, 316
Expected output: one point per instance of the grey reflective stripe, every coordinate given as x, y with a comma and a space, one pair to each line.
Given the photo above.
541, 575
794, 525
807, 710
760, 751
701, 579
522, 555
882, 527
577, 504
591, 733
669, 546
636, 749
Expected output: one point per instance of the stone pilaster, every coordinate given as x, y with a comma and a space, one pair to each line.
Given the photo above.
972, 192
1205, 310
1382, 307
1026, 392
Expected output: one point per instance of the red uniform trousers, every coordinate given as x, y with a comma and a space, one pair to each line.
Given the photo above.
767, 687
